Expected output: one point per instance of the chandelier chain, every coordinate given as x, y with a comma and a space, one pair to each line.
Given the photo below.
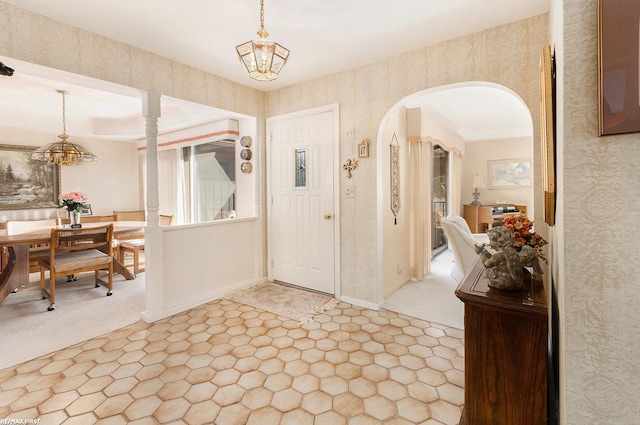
64, 115
262, 15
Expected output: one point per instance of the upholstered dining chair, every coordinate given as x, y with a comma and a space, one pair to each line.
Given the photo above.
462, 242
36, 252
73, 251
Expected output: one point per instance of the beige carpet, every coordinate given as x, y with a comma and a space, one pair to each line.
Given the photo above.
283, 300
433, 298
28, 330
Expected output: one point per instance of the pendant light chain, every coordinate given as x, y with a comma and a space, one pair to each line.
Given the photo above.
64, 113
262, 15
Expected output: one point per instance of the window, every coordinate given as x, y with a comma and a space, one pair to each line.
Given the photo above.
209, 181
196, 183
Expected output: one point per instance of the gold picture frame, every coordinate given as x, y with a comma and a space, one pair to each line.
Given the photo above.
27, 183
547, 133
363, 149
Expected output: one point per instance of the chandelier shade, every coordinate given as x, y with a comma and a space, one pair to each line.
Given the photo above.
63, 152
262, 58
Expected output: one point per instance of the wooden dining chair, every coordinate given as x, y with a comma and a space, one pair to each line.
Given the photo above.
135, 246
73, 251
136, 215
36, 252
132, 215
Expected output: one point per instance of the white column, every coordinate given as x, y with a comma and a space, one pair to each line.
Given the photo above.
153, 244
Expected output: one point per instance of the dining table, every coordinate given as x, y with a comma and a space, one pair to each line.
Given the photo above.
16, 271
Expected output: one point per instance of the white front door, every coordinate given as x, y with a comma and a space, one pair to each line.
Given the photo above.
302, 222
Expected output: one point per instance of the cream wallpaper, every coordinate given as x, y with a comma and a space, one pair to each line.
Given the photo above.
506, 55
598, 271
601, 195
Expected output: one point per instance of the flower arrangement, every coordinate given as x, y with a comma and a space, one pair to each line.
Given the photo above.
73, 201
522, 229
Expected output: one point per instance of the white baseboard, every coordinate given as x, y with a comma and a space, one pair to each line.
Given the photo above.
361, 303
204, 299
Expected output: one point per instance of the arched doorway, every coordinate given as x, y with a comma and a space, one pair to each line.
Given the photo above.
475, 122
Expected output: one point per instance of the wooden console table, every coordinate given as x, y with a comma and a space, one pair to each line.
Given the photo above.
480, 218
505, 353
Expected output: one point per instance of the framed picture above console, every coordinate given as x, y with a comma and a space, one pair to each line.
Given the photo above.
509, 173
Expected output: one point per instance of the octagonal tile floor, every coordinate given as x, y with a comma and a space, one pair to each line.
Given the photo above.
226, 363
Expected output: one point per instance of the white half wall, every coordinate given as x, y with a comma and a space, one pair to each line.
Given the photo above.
205, 261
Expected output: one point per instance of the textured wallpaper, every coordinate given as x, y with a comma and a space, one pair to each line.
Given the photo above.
601, 287
601, 217
506, 55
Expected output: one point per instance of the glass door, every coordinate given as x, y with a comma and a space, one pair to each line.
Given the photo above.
439, 187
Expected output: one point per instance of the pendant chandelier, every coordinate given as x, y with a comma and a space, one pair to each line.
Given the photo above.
262, 58
63, 152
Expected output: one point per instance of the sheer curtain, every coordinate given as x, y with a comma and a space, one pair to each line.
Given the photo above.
420, 157
170, 184
455, 171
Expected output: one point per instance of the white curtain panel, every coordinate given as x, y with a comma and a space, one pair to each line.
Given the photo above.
170, 185
455, 188
421, 211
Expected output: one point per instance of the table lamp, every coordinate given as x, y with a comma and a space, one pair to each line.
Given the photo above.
476, 183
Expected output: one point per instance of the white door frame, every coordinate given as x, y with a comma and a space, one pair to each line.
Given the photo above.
335, 110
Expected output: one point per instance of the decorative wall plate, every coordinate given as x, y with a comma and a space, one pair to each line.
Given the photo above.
246, 167
245, 154
245, 141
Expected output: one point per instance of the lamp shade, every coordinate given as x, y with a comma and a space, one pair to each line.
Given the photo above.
477, 181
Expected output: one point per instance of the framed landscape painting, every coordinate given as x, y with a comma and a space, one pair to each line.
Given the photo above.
509, 173
26, 183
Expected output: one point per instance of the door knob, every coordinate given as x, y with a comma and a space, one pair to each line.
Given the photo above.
328, 216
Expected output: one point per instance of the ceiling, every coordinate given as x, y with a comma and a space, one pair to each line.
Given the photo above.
324, 36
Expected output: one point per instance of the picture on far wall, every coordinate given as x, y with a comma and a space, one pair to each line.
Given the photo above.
618, 73
86, 210
509, 173
26, 183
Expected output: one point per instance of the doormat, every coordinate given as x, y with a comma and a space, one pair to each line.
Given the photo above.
292, 303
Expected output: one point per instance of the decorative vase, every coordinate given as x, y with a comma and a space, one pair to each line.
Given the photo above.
75, 219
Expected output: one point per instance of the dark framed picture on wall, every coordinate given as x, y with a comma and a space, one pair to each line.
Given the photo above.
618, 75
25, 182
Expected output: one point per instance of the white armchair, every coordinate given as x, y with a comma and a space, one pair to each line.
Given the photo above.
462, 242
